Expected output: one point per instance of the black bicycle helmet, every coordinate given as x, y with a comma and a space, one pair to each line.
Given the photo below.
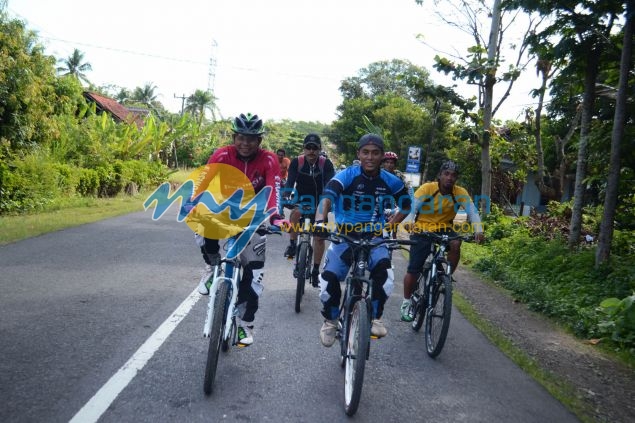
248, 125
450, 165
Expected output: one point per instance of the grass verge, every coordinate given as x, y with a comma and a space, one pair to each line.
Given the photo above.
71, 213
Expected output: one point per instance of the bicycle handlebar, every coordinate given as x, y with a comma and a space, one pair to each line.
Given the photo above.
233, 229
374, 241
440, 238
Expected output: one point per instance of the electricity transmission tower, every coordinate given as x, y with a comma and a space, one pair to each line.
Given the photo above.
212, 79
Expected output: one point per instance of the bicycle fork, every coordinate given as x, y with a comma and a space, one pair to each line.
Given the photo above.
231, 307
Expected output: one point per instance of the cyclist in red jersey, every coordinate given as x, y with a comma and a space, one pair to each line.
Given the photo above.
262, 169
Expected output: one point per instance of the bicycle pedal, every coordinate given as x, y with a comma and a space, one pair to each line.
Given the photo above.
374, 337
239, 345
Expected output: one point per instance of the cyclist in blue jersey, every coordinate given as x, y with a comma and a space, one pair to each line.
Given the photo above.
358, 196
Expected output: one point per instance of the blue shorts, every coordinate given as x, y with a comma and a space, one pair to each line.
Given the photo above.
339, 258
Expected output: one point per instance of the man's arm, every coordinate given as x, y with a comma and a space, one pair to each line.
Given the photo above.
323, 210
475, 219
292, 173
329, 171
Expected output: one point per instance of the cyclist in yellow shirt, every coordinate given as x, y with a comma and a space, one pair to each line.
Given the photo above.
436, 205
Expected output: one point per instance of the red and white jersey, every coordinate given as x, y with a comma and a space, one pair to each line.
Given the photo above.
262, 170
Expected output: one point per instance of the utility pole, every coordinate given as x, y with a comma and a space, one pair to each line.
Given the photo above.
183, 97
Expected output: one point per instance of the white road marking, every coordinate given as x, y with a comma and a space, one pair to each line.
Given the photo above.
100, 402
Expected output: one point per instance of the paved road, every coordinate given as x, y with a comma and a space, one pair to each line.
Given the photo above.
77, 304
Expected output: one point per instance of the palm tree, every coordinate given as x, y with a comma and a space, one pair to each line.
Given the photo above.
200, 101
145, 94
75, 65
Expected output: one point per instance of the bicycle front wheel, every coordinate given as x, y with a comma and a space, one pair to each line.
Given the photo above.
420, 307
221, 301
303, 252
438, 316
357, 349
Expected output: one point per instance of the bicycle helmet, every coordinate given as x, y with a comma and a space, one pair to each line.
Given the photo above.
389, 155
248, 125
357, 162
450, 165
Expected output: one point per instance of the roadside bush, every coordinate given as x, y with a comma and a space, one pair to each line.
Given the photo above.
618, 320
67, 178
558, 282
88, 183
29, 185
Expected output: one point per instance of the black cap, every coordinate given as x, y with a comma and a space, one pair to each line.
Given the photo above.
312, 139
450, 165
372, 139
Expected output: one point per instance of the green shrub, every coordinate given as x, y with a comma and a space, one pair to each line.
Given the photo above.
618, 320
558, 282
67, 178
88, 183
28, 185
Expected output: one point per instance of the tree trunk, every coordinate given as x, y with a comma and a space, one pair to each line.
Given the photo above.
605, 238
490, 80
588, 101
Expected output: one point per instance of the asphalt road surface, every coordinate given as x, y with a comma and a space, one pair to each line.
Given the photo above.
100, 322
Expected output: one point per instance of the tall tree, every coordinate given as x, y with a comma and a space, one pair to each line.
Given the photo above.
199, 102
583, 32
482, 67
610, 200
75, 65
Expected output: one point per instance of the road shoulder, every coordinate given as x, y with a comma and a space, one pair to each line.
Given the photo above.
603, 386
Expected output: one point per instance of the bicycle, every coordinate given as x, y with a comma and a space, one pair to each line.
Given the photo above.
304, 254
432, 296
220, 321
354, 321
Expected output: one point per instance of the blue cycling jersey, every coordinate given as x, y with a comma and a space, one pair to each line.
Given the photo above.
360, 200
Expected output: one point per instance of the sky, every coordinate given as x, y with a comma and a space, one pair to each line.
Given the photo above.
281, 59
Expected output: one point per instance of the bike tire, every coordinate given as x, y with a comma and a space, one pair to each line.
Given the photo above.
357, 351
301, 271
438, 316
420, 309
221, 302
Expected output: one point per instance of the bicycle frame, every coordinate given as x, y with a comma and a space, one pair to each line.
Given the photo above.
358, 287
232, 273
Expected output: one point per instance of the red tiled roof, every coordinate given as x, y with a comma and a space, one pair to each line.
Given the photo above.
118, 111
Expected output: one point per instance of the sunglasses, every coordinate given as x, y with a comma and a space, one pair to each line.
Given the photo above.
311, 147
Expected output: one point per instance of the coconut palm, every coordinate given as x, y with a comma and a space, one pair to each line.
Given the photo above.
75, 65
200, 101
145, 94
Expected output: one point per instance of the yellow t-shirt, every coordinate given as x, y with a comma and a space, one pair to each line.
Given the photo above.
436, 211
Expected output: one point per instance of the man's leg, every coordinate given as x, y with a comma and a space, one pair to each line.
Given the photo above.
294, 219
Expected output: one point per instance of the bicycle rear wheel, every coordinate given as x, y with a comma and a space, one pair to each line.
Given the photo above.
356, 352
438, 316
221, 301
303, 251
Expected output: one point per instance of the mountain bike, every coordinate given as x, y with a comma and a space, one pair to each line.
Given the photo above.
432, 296
220, 322
304, 254
354, 321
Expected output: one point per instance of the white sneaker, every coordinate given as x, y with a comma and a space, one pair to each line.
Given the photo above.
328, 332
245, 334
204, 283
378, 329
